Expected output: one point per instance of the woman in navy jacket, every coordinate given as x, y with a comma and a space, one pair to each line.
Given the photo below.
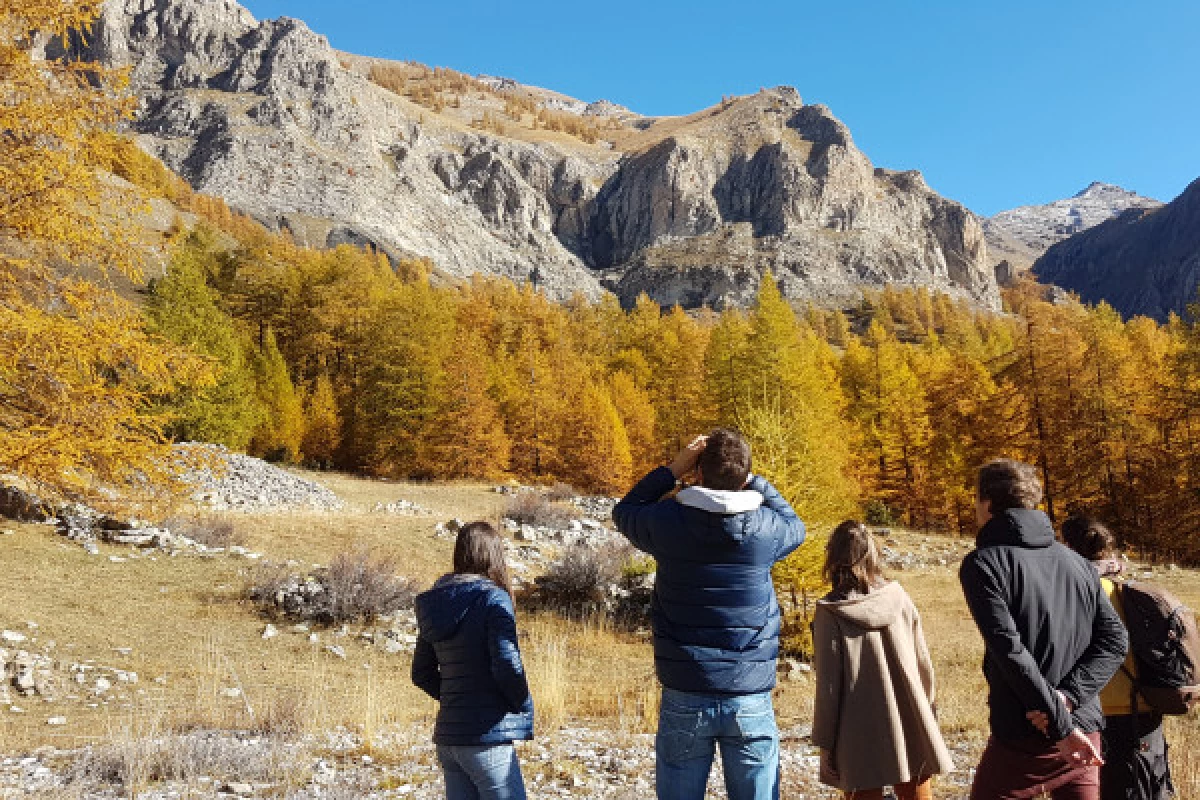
467, 659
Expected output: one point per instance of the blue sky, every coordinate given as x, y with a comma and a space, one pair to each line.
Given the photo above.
998, 103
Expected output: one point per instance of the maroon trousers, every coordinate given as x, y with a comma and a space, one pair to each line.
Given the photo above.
1026, 769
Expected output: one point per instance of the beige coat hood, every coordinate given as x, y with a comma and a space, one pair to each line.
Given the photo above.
873, 611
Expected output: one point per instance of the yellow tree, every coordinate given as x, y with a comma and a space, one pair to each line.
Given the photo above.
322, 424
791, 408
593, 448
78, 373
183, 308
280, 435
638, 416
469, 439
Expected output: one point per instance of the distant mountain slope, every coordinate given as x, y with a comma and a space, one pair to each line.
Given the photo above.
483, 175
1021, 235
1142, 262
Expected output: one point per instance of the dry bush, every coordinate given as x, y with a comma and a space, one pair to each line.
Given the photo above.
560, 493
363, 587
207, 529
534, 508
134, 763
588, 580
580, 581
356, 587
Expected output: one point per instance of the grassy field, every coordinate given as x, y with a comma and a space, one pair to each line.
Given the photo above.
191, 638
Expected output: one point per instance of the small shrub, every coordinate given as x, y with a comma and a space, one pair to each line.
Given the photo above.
611, 580
208, 530
638, 567
532, 508
560, 493
363, 588
355, 587
878, 513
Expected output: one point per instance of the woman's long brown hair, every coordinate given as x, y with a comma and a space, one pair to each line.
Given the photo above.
479, 550
852, 560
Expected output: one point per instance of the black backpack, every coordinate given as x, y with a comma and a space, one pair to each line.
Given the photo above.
1165, 644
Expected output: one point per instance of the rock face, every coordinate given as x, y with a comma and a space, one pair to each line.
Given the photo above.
691, 210
1021, 235
1142, 262
773, 184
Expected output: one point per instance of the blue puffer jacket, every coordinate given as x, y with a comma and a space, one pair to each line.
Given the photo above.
467, 658
716, 620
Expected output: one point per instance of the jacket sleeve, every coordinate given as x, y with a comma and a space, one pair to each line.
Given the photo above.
1103, 657
507, 669
1006, 650
827, 661
641, 518
790, 528
425, 672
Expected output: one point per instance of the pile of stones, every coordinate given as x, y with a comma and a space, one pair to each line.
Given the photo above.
227, 481
30, 673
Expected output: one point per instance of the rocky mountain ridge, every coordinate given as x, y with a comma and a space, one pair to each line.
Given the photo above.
1141, 262
1021, 235
691, 210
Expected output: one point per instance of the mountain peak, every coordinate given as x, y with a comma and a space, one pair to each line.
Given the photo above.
1021, 235
1097, 189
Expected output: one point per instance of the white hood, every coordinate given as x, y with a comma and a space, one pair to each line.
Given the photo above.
720, 501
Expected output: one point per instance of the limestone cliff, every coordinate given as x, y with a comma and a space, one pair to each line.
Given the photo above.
692, 209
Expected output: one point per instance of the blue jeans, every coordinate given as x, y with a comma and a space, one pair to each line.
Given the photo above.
690, 726
481, 772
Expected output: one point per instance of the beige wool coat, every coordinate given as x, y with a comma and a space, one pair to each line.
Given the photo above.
875, 691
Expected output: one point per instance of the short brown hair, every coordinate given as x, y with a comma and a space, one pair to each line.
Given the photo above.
725, 462
1089, 537
479, 550
1006, 484
852, 559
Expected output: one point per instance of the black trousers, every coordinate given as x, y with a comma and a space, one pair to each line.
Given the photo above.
1135, 759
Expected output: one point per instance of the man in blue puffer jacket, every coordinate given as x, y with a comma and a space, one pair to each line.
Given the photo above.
716, 619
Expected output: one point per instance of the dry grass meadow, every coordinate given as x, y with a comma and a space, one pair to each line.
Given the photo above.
191, 637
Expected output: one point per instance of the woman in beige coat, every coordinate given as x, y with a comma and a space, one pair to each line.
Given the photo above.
874, 718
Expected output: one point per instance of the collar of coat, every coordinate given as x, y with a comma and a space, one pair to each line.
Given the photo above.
719, 501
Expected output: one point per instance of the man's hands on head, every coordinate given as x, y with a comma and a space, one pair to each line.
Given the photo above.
685, 462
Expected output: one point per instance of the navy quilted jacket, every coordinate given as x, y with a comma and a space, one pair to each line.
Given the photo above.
716, 619
467, 658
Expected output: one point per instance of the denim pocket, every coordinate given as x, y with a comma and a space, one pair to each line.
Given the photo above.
677, 735
756, 724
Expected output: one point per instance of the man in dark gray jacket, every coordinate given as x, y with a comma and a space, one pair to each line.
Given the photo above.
1053, 642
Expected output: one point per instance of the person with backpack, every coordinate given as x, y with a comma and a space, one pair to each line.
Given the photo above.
1052, 642
467, 658
715, 617
874, 674
1135, 751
